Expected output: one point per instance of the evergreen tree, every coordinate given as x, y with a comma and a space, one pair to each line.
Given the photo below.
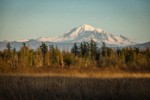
82, 51
108, 50
118, 52
8, 47
44, 50
8, 54
53, 55
104, 48
93, 50
130, 57
75, 49
103, 53
86, 48
97, 57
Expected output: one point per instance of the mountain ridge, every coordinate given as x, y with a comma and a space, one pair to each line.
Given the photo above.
76, 35
85, 33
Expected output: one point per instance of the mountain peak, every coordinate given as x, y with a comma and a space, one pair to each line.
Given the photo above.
82, 29
87, 27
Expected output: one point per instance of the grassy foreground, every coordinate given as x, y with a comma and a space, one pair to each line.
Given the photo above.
75, 84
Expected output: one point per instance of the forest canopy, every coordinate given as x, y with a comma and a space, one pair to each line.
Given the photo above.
84, 55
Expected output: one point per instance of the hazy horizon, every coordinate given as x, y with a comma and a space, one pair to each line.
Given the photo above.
31, 19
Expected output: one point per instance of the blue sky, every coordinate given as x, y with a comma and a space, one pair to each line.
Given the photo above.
26, 19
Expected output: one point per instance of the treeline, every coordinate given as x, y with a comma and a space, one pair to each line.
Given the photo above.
86, 54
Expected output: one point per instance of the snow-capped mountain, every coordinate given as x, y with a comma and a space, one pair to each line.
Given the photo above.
86, 33
79, 34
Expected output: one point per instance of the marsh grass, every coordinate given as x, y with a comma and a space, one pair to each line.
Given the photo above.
79, 72
65, 88
75, 84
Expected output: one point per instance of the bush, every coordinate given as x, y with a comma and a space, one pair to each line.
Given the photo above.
68, 59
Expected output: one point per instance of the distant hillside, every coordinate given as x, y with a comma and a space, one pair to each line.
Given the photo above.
143, 45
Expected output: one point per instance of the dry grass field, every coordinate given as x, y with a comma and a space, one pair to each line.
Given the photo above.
75, 84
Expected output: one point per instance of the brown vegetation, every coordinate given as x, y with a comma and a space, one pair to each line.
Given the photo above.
71, 88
